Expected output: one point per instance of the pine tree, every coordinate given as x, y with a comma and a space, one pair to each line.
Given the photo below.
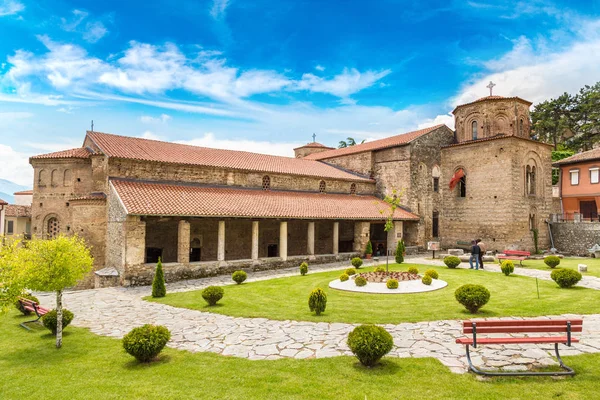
369, 249
158, 284
400, 249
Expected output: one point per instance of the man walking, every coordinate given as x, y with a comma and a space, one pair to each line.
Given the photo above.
475, 251
482, 250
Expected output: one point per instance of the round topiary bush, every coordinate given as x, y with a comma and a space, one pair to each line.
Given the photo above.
350, 271
239, 277
452, 261
303, 269
317, 301
473, 297
369, 343
146, 342
380, 269
27, 296
426, 280
565, 277
413, 270
344, 277
392, 284
356, 262
213, 294
49, 320
507, 267
552, 261
432, 273
360, 281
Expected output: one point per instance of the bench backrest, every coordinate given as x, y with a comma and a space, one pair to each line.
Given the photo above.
27, 302
524, 326
516, 253
34, 306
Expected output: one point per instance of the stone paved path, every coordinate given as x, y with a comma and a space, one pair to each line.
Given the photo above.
115, 311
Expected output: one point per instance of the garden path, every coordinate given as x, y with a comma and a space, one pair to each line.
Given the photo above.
115, 311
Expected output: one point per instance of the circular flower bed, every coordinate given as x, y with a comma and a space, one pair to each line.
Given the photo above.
383, 277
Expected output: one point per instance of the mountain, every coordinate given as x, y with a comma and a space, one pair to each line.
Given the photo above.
7, 188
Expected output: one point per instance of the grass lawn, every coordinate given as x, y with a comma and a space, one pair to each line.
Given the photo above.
94, 367
287, 299
592, 263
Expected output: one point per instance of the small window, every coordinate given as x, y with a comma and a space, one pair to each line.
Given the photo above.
474, 130
266, 182
594, 175
53, 228
353, 188
10, 226
436, 184
574, 177
322, 186
462, 187
521, 127
435, 224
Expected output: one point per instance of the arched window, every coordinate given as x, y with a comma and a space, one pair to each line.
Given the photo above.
68, 178
474, 130
53, 228
462, 186
43, 178
435, 173
266, 182
532, 181
521, 127
54, 177
322, 186
353, 188
530, 172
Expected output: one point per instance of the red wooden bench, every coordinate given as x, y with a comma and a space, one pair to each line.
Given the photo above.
34, 307
525, 327
514, 255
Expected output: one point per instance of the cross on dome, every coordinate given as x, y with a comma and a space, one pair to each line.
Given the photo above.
491, 86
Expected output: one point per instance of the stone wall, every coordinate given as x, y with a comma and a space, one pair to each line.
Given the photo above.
89, 222
361, 163
575, 238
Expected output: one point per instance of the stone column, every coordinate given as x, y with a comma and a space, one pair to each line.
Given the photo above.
394, 235
283, 240
221, 242
183, 242
255, 227
310, 243
134, 241
361, 236
336, 238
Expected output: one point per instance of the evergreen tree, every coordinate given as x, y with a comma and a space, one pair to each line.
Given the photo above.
400, 249
158, 284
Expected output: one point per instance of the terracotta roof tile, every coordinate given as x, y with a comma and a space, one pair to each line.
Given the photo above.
79, 152
13, 210
24, 192
589, 155
314, 145
166, 152
488, 139
2, 202
167, 199
93, 196
487, 98
380, 144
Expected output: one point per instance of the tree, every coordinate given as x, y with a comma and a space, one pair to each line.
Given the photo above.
400, 249
586, 118
551, 120
556, 156
348, 142
54, 265
158, 284
12, 277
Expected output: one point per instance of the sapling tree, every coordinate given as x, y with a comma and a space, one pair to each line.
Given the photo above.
12, 277
394, 201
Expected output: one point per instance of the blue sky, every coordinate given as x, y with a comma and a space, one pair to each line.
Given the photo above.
263, 75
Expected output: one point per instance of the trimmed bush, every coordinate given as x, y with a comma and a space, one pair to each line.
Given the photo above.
426, 280
392, 284
451, 261
380, 269
413, 270
213, 294
400, 250
344, 277
473, 297
369, 248
158, 283
239, 277
432, 273
565, 277
507, 267
317, 301
360, 281
552, 261
27, 296
49, 320
303, 269
357, 262
350, 271
146, 342
369, 343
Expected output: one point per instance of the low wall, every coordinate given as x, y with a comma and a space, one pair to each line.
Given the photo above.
143, 274
575, 238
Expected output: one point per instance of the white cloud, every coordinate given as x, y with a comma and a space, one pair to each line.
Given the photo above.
10, 7
15, 166
347, 83
147, 119
217, 11
150, 135
14, 115
92, 31
447, 119
320, 68
264, 147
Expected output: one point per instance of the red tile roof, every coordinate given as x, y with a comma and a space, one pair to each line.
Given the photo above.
93, 196
496, 137
493, 98
79, 152
13, 210
314, 145
167, 199
166, 152
589, 155
24, 192
2, 202
393, 141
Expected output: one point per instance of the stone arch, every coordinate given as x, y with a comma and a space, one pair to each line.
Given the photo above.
68, 178
522, 126
476, 117
533, 174
54, 177
461, 186
42, 177
501, 124
436, 172
51, 226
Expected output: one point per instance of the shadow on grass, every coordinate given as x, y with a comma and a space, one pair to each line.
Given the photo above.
136, 365
383, 367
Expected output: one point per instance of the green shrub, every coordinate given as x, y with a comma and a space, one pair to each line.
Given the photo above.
360, 281
357, 262
369, 248
213, 294
432, 273
350, 271
452, 261
49, 320
380, 269
239, 277
369, 343
158, 283
392, 284
400, 250
565, 277
426, 280
344, 277
146, 342
317, 301
413, 270
27, 296
303, 269
552, 261
507, 267
473, 297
